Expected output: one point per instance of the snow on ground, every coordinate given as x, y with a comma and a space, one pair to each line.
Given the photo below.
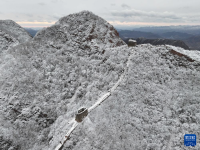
94, 106
193, 54
6, 41
41, 84
11, 34
44, 81
156, 104
153, 108
15, 30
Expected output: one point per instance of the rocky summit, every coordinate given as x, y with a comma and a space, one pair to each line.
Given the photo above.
45, 80
84, 30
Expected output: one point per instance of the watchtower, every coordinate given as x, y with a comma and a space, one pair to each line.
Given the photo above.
132, 43
81, 114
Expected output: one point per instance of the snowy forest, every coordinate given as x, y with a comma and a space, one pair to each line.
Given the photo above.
153, 100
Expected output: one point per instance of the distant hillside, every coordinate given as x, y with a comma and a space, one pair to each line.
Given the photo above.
136, 34
193, 42
194, 30
189, 35
175, 35
31, 31
177, 43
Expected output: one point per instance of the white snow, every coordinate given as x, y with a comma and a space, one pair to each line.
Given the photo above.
130, 40
14, 30
193, 54
151, 92
153, 103
100, 100
75, 124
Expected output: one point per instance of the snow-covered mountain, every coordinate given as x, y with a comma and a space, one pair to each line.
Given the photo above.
50, 76
84, 29
11, 34
44, 81
155, 105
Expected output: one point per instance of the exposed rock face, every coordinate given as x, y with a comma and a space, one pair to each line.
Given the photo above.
176, 43
11, 34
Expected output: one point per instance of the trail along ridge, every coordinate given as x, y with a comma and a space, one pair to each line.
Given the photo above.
98, 102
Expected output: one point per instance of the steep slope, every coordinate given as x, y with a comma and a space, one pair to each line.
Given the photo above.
49, 76
11, 34
163, 29
177, 43
175, 35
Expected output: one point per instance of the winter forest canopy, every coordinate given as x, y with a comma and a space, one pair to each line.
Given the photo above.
44, 81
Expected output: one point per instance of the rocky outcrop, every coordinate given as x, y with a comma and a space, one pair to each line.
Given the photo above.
181, 55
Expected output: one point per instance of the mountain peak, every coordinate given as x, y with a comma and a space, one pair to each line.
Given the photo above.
81, 28
84, 14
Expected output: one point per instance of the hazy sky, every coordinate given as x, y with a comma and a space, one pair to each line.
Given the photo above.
39, 13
